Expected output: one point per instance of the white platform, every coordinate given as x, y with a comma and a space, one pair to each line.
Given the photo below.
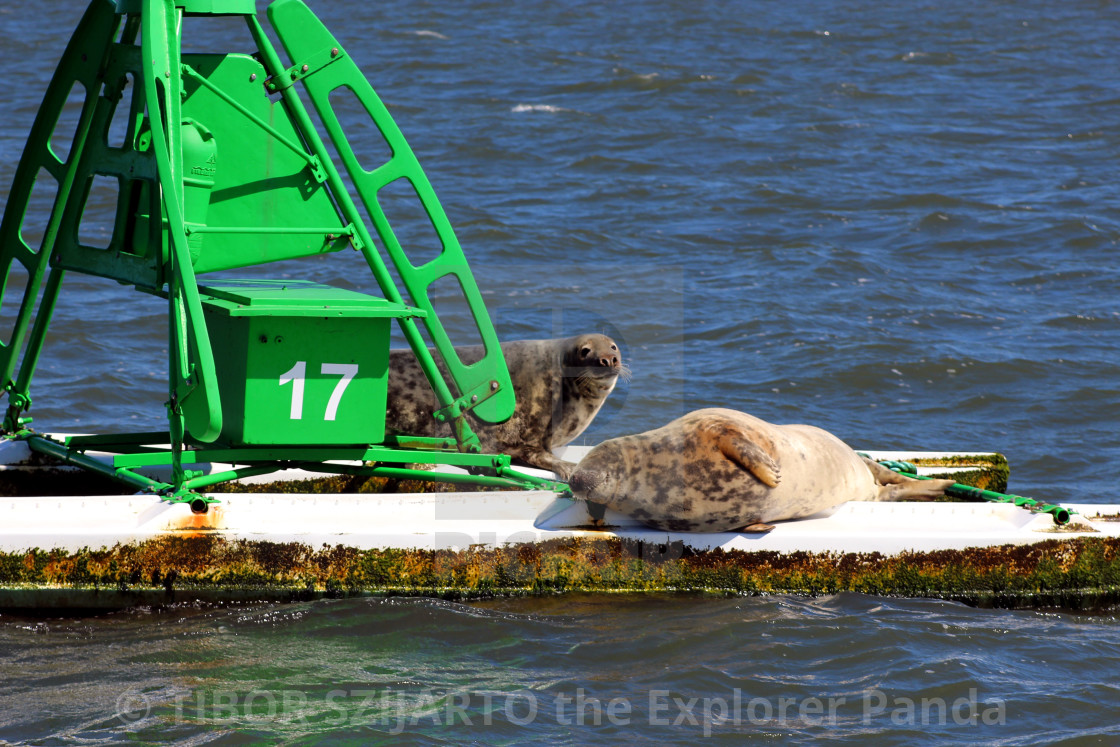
460, 520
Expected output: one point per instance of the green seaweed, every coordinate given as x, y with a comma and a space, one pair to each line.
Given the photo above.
1077, 573
992, 474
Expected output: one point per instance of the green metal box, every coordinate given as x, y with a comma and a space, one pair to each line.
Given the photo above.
299, 363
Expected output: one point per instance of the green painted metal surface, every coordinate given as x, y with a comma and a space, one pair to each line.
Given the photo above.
222, 166
262, 180
195, 7
291, 372
256, 297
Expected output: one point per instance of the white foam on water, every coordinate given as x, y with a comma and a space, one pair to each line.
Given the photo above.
538, 108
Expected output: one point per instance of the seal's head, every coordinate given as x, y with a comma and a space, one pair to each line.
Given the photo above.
596, 477
594, 363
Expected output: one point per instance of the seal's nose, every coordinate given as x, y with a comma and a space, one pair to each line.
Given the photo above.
611, 362
583, 481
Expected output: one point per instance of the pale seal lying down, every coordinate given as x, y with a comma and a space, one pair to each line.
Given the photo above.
719, 470
560, 385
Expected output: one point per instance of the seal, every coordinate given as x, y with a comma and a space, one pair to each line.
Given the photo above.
560, 385
719, 470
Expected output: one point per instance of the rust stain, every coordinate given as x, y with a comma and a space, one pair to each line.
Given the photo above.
191, 523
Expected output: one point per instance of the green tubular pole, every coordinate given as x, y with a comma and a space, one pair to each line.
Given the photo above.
46, 446
454, 459
115, 441
233, 474
1060, 514
420, 443
20, 395
339, 230
193, 381
233, 456
505, 479
39, 329
312, 460
306, 454
542, 483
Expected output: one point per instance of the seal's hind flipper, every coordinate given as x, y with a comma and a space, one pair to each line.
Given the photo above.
894, 486
914, 490
751, 457
884, 475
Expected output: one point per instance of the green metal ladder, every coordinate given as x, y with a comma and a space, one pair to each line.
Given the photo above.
222, 167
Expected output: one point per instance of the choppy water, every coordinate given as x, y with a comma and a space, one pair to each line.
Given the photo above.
893, 220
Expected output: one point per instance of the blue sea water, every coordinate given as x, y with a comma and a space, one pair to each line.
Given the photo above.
897, 221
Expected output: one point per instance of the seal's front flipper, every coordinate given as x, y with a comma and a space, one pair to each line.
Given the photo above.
757, 527
751, 457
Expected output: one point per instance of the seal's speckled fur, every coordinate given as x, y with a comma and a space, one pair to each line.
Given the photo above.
560, 385
718, 470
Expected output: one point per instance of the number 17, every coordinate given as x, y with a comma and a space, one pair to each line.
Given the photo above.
297, 375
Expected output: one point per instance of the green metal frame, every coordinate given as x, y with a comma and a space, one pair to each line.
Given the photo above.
131, 452
162, 238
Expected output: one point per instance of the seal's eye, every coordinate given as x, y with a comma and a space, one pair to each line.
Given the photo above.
613, 347
586, 351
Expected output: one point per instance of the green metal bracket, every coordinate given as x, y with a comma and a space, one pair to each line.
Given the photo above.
314, 63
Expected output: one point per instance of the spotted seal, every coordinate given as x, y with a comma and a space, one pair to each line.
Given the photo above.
719, 470
560, 385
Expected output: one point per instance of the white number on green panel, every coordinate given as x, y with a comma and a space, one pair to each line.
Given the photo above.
297, 375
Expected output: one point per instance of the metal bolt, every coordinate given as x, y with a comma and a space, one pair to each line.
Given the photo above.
305, 68
252, 77
474, 398
493, 386
334, 52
